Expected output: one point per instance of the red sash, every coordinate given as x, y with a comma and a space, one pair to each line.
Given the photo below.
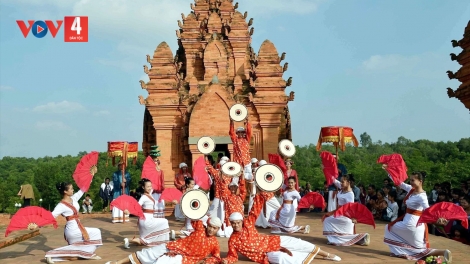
85, 235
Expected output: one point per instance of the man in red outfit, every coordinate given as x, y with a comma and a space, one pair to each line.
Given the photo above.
241, 147
267, 248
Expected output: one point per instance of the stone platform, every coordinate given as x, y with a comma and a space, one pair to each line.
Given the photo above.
33, 249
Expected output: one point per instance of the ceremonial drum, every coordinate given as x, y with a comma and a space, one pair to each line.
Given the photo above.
194, 204
232, 169
339, 136
238, 112
269, 177
286, 148
206, 145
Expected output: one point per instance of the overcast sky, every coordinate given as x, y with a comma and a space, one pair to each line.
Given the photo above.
376, 66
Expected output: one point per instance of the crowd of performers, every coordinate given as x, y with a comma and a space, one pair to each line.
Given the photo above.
197, 242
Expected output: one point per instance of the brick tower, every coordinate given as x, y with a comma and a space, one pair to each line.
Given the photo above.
214, 68
463, 75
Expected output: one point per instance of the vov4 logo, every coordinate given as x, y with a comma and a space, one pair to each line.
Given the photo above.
75, 28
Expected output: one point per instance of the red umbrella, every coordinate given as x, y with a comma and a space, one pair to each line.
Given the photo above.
170, 194
358, 212
396, 167
200, 175
330, 168
312, 198
446, 210
126, 202
150, 172
30, 215
86, 168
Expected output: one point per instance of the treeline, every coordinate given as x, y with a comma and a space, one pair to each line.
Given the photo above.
443, 161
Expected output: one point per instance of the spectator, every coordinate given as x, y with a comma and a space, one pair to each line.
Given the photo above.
386, 190
356, 190
456, 196
106, 193
393, 205
387, 182
87, 205
363, 195
434, 193
371, 197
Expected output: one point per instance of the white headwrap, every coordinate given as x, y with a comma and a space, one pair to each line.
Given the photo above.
240, 129
182, 164
254, 160
215, 221
236, 216
222, 162
262, 162
224, 158
233, 184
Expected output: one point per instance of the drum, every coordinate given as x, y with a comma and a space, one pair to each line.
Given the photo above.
269, 177
238, 112
232, 169
286, 148
206, 145
194, 204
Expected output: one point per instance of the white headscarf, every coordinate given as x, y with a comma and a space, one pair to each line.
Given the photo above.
182, 165
240, 129
262, 162
254, 160
224, 158
222, 162
215, 221
235, 216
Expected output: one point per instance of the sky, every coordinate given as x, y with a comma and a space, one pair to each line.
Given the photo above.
376, 66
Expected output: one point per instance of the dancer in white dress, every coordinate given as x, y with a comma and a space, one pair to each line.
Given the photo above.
404, 237
283, 220
83, 241
153, 231
340, 230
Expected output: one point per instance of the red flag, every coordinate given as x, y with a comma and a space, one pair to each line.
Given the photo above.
200, 175
396, 167
330, 168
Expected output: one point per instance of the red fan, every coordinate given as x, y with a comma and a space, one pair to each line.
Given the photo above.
150, 172
126, 202
330, 168
201, 177
86, 168
312, 198
358, 212
26, 217
444, 210
170, 194
396, 167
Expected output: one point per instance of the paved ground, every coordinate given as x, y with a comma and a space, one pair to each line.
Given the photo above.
32, 250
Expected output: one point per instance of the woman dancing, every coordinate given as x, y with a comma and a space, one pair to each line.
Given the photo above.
340, 230
82, 241
153, 231
283, 220
403, 236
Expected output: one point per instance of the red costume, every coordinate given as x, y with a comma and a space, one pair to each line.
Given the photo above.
234, 202
248, 241
241, 146
180, 178
221, 182
197, 246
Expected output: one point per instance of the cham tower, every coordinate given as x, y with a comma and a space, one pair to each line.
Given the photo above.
463, 74
215, 67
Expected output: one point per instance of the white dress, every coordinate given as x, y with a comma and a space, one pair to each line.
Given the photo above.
405, 239
340, 230
153, 231
286, 221
77, 247
272, 205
